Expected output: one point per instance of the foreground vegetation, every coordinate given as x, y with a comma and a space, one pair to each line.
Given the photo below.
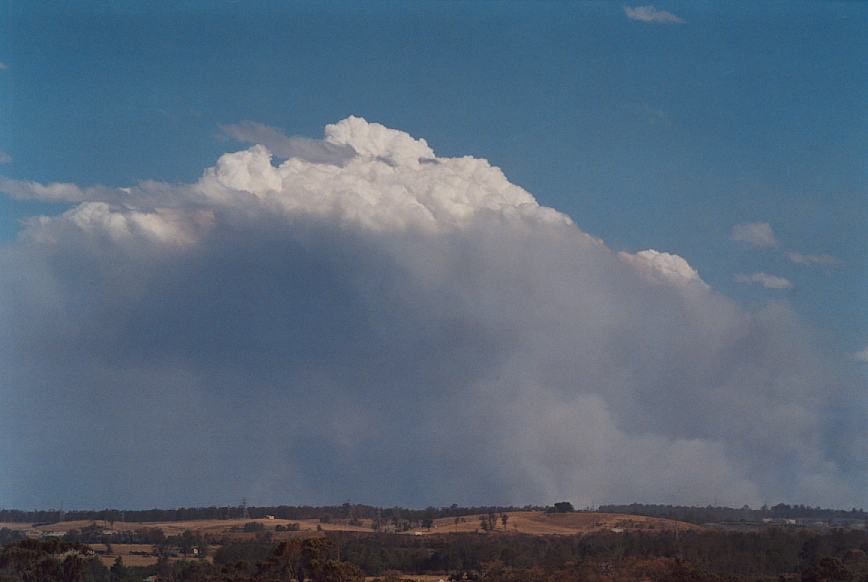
716, 555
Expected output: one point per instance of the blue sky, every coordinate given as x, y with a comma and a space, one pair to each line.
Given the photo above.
659, 135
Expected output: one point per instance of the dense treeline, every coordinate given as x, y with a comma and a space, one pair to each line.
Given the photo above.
773, 554
712, 514
761, 553
345, 511
10, 535
744, 555
359, 511
58, 561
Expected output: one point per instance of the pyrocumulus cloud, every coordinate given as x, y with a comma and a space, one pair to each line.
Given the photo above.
368, 320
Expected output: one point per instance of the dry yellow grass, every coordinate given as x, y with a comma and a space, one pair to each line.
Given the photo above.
132, 554
541, 523
204, 526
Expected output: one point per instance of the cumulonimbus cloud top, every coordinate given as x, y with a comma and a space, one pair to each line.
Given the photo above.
394, 182
366, 319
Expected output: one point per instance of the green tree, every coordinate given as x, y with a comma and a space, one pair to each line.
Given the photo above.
164, 568
564, 507
95, 571
39, 561
118, 570
827, 569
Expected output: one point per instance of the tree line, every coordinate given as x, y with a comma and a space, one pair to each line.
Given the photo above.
58, 561
772, 554
350, 511
714, 514
345, 511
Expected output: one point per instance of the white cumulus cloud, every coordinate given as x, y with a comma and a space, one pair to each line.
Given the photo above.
53, 192
664, 267
386, 186
285, 147
397, 327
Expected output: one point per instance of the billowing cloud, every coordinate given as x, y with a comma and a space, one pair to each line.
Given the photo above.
54, 192
814, 260
3, 66
285, 147
664, 267
395, 328
861, 356
651, 14
764, 279
5, 158
758, 234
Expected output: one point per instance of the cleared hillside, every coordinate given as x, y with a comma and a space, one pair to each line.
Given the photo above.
541, 523
522, 522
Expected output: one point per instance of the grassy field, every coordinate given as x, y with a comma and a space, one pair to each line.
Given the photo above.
540, 523
132, 554
204, 526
